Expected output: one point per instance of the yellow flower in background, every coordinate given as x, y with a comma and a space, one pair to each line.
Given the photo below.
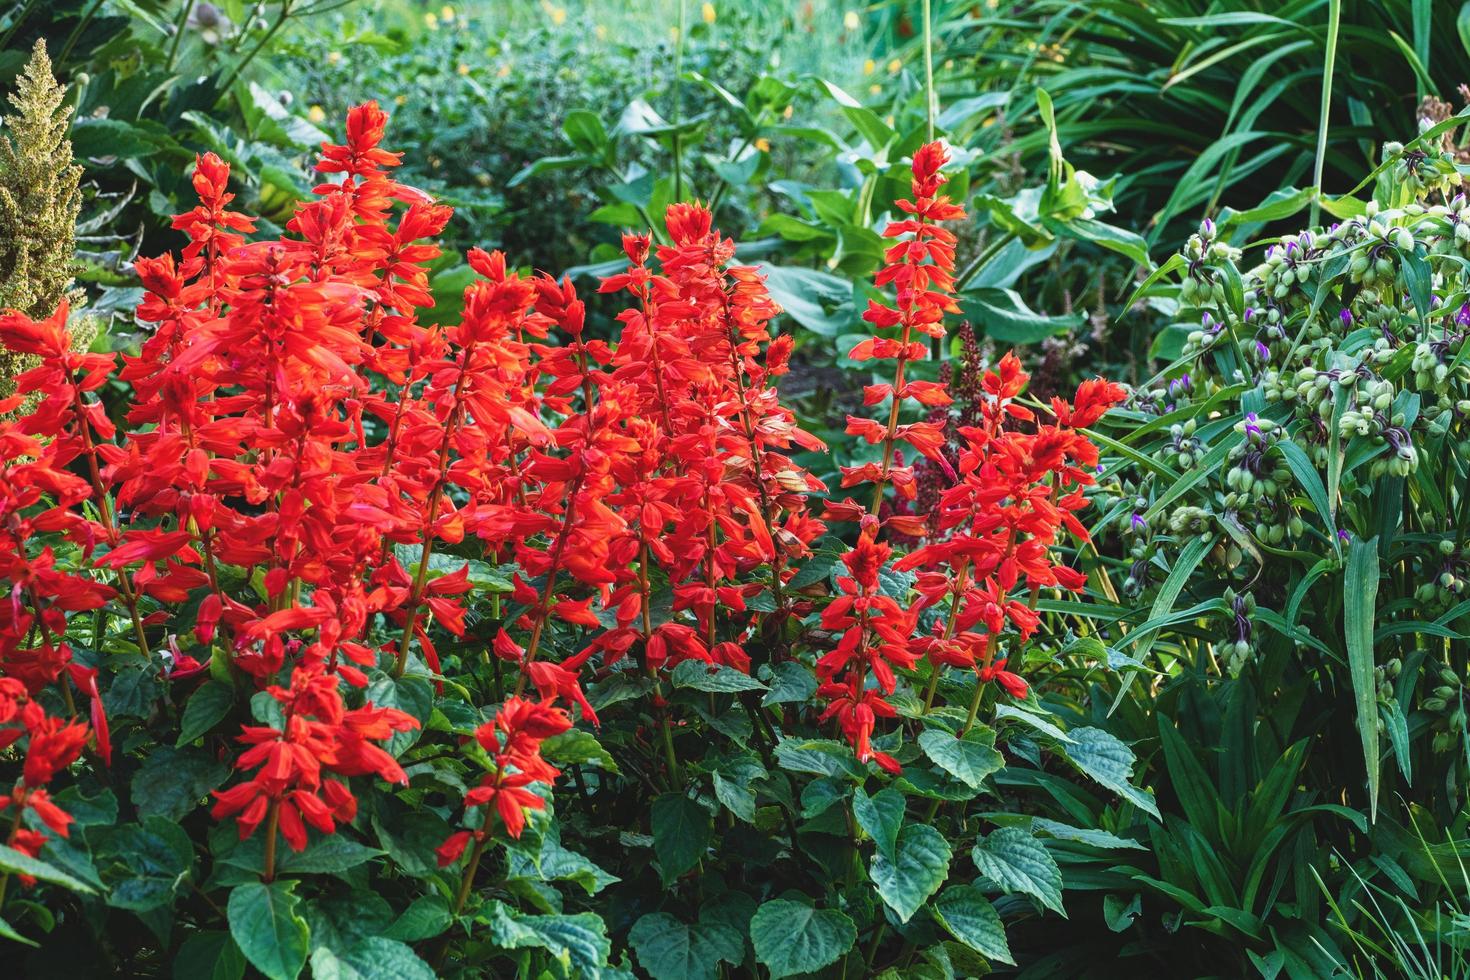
333, 57
875, 89
446, 13
787, 112
850, 20
894, 66
316, 114
601, 31
674, 33
431, 20
708, 13
400, 100
763, 144
557, 14
504, 69
462, 68
870, 66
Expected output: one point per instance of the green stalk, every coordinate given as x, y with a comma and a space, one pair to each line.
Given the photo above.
1334, 17
82, 25
173, 45
250, 55
679, 102
931, 99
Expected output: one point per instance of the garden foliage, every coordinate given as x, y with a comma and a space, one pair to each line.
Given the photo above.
422, 644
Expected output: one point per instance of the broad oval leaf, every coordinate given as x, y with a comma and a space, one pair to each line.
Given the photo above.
968, 915
267, 929
792, 937
922, 865
1018, 862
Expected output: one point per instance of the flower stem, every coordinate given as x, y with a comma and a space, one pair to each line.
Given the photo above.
272, 824
463, 894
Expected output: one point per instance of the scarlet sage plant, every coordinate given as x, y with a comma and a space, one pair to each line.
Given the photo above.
493, 622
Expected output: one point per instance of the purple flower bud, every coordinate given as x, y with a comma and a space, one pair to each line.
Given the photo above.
1252, 427
1207, 228
1263, 351
1344, 535
1139, 524
1462, 318
1346, 316
1250, 311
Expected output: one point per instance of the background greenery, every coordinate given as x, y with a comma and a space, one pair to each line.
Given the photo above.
1091, 138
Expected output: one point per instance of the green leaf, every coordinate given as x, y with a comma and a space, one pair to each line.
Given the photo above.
819, 301
426, 918
145, 864
732, 782
969, 759
668, 949
330, 854
968, 915
697, 674
1360, 595
205, 708
1036, 721
555, 862
880, 816
584, 130
102, 137
821, 756
18, 862
790, 681
681, 832
209, 955
922, 865
792, 937
577, 747
267, 929
1083, 835
1120, 915
578, 941
373, 958
1125, 243
1002, 315
172, 782
411, 839
1018, 862
1101, 756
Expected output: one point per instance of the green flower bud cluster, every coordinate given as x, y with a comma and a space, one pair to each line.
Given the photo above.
1419, 173
1202, 286
1444, 578
1185, 448
1291, 264
1260, 483
1238, 645
1446, 698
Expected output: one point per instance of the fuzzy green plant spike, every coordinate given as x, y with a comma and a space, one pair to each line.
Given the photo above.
40, 197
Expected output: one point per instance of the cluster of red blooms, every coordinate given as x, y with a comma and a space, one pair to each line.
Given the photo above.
292, 416
1020, 483
318, 735
513, 741
39, 495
